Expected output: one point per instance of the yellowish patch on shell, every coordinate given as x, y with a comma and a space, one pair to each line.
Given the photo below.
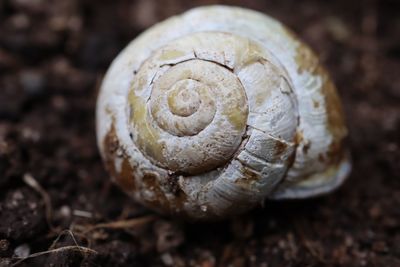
307, 61
171, 54
147, 136
237, 117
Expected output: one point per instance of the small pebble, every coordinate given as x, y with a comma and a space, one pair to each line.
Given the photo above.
167, 259
31, 81
22, 251
4, 245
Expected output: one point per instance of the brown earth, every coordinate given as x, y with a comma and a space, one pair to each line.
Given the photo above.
52, 57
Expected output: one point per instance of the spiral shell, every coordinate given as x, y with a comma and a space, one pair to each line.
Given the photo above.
209, 113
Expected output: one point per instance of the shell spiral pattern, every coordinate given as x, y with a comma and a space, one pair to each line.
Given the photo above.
205, 117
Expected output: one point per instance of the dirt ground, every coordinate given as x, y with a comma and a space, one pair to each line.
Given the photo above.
53, 55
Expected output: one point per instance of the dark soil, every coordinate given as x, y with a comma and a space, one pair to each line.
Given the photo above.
52, 58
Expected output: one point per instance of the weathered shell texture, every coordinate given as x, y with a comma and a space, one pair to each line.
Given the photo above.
211, 112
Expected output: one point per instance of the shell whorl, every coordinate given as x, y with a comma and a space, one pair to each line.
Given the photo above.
208, 117
189, 105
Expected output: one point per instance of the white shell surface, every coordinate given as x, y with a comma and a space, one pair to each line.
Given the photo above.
208, 113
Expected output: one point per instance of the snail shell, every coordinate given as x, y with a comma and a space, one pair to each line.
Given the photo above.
209, 113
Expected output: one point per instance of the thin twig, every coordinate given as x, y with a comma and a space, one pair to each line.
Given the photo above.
122, 224
66, 231
31, 181
83, 250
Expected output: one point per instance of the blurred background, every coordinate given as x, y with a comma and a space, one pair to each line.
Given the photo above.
53, 55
